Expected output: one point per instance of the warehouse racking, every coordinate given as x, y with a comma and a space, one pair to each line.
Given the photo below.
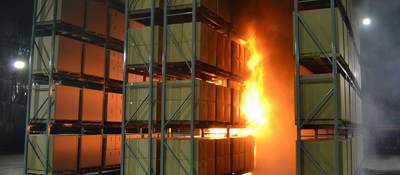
75, 102
85, 125
161, 128
327, 98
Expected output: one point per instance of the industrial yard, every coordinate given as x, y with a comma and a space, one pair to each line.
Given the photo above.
207, 87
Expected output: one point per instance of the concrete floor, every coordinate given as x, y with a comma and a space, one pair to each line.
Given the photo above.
11, 164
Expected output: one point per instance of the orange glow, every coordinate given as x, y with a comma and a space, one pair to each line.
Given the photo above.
239, 132
254, 103
215, 133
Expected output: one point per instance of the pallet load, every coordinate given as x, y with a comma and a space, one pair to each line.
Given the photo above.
112, 150
137, 107
91, 148
94, 60
140, 45
316, 151
114, 107
224, 105
65, 107
64, 7
177, 158
67, 55
63, 153
92, 105
242, 154
222, 156
316, 87
137, 156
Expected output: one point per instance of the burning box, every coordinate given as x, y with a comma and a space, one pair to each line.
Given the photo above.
65, 107
67, 55
63, 153
68, 11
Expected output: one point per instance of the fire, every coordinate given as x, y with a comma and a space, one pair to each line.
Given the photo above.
253, 100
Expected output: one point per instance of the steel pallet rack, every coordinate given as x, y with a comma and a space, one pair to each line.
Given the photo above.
331, 63
191, 69
51, 127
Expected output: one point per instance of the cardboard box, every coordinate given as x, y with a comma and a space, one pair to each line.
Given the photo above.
114, 107
94, 60
116, 66
223, 104
137, 101
204, 156
140, 45
92, 107
68, 11
222, 156
180, 43
142, 5
323, 152
137, 156
117, 24
63, 153
237, 117
91, 150
113, 149
67, 54
66, 103
96, 17
314, 88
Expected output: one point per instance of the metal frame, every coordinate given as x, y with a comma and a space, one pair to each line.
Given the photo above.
333, 93
164, 80
50, 78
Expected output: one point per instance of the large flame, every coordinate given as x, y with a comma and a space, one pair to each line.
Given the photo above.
253, 100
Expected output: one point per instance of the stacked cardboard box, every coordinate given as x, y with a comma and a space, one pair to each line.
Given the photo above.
63, 153
242, 153
91, 148
96, 17
137, 101
116, 66
137, 156
323, 151
224, 104
117, 24
239, 58
140, 45
92, 105
223, 53
315, 87
64, 7
237, 117
67, 55
114, 107
94, 60
222, 156
204, 156
65, 107
178, 101
177, 93
113, 149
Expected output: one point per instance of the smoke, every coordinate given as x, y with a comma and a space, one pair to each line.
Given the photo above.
380, 50
271, 23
